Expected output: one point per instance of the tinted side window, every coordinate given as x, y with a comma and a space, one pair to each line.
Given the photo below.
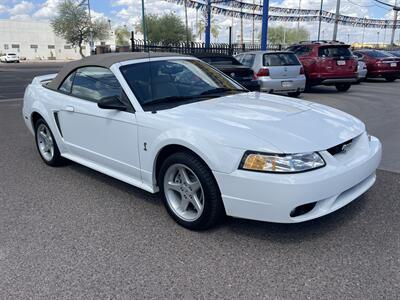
67, 84
301, 50
95, 83
248, 60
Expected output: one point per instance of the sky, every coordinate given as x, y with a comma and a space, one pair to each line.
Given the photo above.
127, 12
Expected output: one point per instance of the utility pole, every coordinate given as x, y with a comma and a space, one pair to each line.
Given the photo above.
298, 23
91, 43
377, 42
252, 36
186, 24
320, 20
241, 25
396, 11
335, 28
264, 25
144, 25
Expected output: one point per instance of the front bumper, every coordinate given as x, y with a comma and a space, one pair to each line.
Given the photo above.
272, 197
282, 85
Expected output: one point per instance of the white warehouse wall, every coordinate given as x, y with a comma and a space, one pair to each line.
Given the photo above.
36, 40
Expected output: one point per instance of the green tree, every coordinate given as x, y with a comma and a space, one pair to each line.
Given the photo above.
122, 36
73, 24
283, 35
168, 29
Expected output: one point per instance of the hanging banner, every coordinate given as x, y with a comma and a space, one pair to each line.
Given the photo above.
239, 9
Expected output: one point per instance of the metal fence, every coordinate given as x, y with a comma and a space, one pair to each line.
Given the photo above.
192, 47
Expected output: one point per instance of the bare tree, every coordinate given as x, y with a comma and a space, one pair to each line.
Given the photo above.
74, 25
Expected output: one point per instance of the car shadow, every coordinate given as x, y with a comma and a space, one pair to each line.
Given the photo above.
274, 232
320, 89
296, 232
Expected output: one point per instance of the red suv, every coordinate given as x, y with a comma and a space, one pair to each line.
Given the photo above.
327, 63
380, 64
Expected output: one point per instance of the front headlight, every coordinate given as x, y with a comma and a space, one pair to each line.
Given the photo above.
281, 163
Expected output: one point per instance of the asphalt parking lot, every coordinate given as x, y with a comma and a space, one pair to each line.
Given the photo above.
73, 233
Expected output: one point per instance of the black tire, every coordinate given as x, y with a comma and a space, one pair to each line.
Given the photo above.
57, 159
343, 87
213, 210
294, 94
390, 78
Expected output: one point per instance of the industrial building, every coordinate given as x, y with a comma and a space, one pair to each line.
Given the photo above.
35, 40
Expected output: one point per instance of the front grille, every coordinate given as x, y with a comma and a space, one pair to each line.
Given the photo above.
339, 148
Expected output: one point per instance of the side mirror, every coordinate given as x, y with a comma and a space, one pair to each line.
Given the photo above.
112, 102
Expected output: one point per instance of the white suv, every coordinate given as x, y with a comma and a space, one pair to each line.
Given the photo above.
9, 57
277, 72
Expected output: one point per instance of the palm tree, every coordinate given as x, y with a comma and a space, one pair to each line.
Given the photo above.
201, 28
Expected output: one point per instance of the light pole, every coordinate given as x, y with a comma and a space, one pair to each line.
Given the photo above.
91, 42
335, 28
320, 20
298, 23
264, 26
186, 24
396, 11
377, 42
144, 25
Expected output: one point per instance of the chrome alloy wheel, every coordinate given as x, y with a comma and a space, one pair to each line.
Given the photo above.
183, 192
45, 142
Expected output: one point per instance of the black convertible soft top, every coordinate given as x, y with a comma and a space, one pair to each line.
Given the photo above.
102, 60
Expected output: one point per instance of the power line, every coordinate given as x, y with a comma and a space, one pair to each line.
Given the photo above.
365, 6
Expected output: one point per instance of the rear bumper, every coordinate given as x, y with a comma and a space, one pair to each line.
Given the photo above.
270, 85
272, 197
383, 73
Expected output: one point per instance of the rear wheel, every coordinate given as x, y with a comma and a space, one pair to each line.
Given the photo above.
190, 192
46, 144
390, 78
343, 87
294, 94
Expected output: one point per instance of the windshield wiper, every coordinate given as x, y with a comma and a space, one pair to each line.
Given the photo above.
222, 90
173, 99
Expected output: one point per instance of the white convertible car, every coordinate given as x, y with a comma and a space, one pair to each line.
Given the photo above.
174, 124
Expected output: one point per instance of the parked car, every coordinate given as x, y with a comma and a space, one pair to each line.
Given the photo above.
170, 123
380, 64
9, 57
361, 71
395, 53
327, 63
277, 72
233, 68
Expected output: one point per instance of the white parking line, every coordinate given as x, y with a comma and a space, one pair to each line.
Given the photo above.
11, 100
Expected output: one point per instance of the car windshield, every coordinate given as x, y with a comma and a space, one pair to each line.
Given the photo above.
216, 60
280, 59
174, 82
335, 51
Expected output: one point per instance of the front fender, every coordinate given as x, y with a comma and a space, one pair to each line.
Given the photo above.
219, 158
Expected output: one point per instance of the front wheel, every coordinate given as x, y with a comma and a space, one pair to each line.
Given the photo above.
390, 78
343, 87
190, 192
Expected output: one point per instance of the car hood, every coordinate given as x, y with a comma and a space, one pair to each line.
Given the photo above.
290, 125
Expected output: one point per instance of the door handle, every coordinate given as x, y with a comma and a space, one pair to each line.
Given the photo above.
69, 108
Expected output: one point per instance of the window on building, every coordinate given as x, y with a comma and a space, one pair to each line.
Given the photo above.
67, 47
5, 46
51, 47
34, 46
15, 46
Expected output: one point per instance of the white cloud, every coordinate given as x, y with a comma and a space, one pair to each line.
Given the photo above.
47, 10
2, 8
21, 8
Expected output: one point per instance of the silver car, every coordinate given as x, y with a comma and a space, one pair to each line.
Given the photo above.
277, 72
361, 71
